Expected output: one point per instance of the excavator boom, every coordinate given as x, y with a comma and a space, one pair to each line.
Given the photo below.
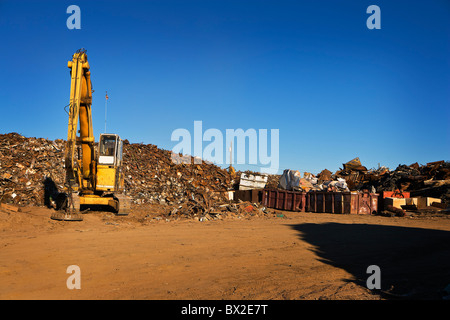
80, 174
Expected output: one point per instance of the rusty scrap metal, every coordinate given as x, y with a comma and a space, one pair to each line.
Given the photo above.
32, 173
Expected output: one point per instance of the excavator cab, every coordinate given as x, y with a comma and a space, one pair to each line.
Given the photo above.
110, 149
109, 164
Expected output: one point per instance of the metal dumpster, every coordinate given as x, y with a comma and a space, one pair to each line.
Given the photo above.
329, 202
254, 195
368, 203
342, 202
357, 203
284, 200
350, 202
320, 201
338, 200
300, 201
391, 194
315, 201
270, 198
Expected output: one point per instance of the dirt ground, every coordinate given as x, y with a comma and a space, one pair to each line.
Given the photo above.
283, 257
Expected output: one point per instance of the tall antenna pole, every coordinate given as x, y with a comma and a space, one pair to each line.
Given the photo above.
231, 150
230, 168
106, 105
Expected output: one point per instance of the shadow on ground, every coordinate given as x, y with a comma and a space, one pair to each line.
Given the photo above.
414, 262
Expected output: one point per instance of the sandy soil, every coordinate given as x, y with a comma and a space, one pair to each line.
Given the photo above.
294, 256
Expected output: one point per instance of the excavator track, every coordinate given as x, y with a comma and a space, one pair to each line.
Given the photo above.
124, 204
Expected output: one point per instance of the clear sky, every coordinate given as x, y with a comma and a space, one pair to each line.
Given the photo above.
333, 88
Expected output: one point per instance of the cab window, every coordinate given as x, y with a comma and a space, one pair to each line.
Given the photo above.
107, 146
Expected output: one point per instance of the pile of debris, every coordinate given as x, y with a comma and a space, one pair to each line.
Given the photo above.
29, 167
32, 168
291, 180
25, 163
152, 176
430, 180
204, 208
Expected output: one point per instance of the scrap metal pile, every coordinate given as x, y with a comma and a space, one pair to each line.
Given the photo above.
416, 178
25, 163
152, 176
430, 180
422, 188
28, 164
33, 168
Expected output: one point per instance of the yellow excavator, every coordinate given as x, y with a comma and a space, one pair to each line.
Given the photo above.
93, 177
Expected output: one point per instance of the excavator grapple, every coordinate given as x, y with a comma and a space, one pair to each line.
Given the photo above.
71, 209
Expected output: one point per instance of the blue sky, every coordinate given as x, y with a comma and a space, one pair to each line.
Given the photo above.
334, 89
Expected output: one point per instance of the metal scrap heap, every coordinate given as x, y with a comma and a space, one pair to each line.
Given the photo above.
32, 173
31, 168
25, 165
432, 179
152, 176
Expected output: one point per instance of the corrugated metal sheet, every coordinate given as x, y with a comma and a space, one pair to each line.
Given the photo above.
250, 181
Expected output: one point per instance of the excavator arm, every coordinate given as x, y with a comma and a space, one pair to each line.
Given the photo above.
80, 175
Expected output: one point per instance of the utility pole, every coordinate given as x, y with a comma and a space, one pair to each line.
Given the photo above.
106, 105
230, 168
231, 150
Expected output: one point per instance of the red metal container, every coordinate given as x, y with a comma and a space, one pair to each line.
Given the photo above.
342, 202
310, 202
350, 202
338, 200
368, 203
395, 194
320, 202
281, 200
391, 194
316, 201
254, 195
329, 202
356, 203
269, 198
284, 200
300, 201
288, 201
